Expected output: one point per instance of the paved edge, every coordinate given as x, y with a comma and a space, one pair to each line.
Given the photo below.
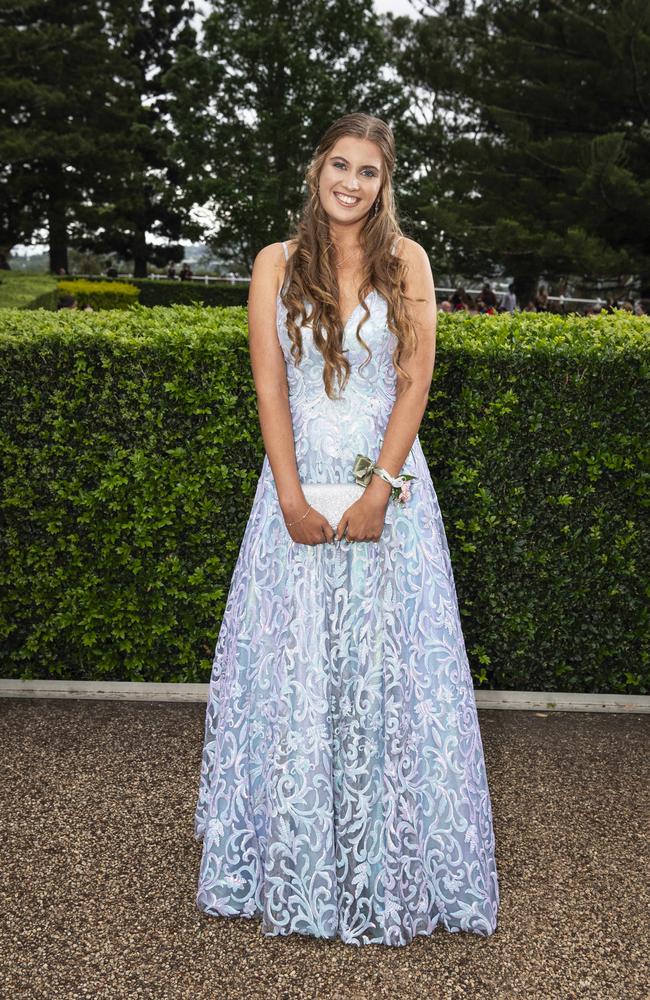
545, 701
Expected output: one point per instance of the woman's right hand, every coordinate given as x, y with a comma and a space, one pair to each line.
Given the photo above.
314, 529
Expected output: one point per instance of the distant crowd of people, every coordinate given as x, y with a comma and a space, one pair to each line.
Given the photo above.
489, 301
185, 272
485, 301
184, 275
112, 272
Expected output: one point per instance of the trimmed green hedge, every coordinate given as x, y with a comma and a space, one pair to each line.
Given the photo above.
100, 294
160, 292
164, 292
131, 451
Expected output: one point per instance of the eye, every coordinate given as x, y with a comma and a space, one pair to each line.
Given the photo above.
368, 172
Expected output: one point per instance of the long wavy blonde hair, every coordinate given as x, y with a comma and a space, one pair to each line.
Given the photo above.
311, 274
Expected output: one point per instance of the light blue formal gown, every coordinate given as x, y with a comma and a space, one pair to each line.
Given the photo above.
343, 789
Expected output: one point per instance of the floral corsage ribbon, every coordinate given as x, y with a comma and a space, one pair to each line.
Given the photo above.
364, 469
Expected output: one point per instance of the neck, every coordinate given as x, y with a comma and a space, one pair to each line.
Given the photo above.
346, 238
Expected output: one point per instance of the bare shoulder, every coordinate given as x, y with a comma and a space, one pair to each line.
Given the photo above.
269, 256
419, 269
412, 251
420, 286
268, 268
270, 262
276, 250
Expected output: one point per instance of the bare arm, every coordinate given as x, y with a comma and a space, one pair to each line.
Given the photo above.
412, 397
270, 376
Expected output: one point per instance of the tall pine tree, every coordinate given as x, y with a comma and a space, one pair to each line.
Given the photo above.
545, 105
87, 138
55, 133
156, 64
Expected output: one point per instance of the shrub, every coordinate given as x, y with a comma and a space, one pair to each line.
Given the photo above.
100, 294
131, 452
163, 292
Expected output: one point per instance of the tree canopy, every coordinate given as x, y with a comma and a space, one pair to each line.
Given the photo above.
522, 126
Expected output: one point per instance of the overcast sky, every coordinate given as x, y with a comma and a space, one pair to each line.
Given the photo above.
395, 7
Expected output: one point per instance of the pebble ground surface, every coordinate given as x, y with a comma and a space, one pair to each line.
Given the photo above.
98, 869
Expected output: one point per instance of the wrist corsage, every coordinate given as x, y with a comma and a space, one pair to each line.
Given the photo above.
365, 468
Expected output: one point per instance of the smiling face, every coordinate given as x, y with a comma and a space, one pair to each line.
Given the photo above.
350, 178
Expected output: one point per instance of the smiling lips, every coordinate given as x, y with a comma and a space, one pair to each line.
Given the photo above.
345, 199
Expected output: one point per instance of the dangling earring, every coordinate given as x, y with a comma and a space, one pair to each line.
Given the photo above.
376, 208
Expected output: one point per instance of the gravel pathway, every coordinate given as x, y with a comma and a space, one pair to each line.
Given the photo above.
98, 869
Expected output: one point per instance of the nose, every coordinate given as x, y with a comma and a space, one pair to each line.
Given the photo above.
352, 184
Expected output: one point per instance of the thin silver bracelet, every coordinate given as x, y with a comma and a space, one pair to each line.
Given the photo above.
291, 523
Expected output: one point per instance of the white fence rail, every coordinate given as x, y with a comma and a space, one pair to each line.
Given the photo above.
207, 279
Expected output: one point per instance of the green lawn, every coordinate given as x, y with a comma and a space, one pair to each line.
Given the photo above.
27, 291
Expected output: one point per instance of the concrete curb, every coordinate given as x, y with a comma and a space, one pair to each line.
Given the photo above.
522, 701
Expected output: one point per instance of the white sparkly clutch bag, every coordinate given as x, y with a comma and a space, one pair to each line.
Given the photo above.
332, 499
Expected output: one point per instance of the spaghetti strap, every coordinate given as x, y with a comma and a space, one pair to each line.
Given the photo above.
284, 279
394, 246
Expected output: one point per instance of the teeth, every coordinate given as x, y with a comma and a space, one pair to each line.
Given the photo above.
345, 198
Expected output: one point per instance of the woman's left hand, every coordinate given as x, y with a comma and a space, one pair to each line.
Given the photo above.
363, 521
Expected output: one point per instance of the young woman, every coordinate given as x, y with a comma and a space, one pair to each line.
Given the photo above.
343, 790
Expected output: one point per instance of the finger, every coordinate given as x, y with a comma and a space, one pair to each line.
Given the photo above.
340, 530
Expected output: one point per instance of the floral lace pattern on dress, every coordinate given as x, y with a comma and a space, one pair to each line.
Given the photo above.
343, 790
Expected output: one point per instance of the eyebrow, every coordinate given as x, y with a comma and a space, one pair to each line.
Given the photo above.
339, 157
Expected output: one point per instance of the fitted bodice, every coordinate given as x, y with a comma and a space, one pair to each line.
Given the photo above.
329, 433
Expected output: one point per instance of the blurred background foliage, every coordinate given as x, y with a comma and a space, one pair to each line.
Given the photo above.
522, 129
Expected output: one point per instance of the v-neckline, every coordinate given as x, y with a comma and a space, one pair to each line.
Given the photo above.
354, 311
358, 306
